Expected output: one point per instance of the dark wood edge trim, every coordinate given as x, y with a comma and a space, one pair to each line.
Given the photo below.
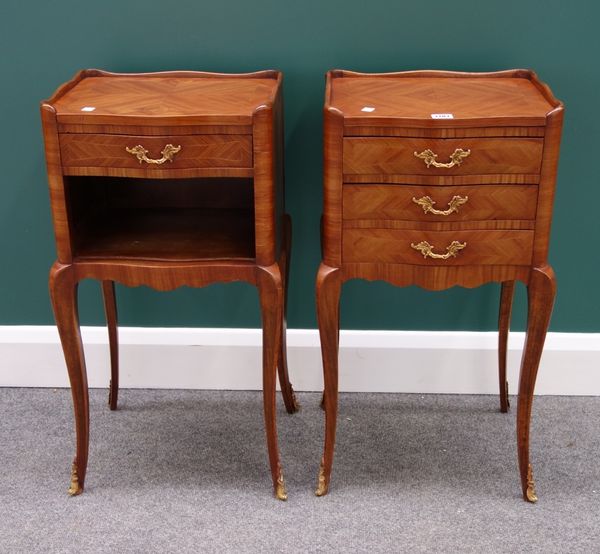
270, 103
557, 112
328, 77
545, 91
506, 73
334, 112
278, 91
262, 74
45, 107
65, 87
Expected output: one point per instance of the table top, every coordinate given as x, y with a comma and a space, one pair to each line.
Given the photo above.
441, 98
96, 97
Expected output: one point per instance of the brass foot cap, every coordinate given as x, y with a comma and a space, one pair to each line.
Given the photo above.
280, 492
75, 487
321, 490
75, 490
531, 495
322, 483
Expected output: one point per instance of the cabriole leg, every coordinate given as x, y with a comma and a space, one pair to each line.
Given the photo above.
541, 291
328, 305
63, 293
270, 289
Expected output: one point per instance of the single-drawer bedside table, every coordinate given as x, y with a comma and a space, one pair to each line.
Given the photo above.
439, 179
165, 180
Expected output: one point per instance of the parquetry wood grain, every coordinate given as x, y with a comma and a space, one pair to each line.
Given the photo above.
373, 125
507, 98
197, 151
215, 213
492, 202
394, 155
179, 98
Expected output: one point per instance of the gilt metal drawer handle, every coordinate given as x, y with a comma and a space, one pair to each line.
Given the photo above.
427, 203
168, 152
427, 249
456, 158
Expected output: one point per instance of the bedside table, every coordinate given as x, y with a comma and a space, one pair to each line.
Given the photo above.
165, 180
439, 179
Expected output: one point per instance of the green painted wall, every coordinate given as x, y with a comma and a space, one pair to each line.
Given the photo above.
44, 43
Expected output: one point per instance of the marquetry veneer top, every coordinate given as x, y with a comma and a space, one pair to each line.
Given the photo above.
173, 97
410, 98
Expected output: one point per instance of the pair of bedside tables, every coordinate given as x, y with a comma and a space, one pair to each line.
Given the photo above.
430, 178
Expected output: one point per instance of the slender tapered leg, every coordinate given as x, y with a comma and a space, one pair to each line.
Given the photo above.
506, 301
328, 307
541, 291
322, 404
110, 309
63, 292
289, 398
270, 289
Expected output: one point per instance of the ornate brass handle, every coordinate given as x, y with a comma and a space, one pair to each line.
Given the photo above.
456, 158
168, 152
427, 204
427, 249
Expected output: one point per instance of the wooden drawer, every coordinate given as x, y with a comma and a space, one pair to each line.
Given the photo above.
394, 246
465, 203
391, 155
103, 154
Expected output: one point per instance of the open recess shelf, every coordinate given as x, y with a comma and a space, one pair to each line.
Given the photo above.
162, 220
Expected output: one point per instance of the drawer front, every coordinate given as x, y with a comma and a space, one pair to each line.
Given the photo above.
470, 247
152, 153
442, 203
385, 156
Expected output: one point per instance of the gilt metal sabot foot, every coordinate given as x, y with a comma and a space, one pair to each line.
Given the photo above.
530, 494
322, 485
75, 487
280, 491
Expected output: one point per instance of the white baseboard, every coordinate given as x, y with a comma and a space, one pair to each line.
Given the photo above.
370, 361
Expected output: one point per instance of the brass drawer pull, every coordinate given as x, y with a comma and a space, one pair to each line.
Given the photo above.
168, 152
456, 158
427, 249
427, 204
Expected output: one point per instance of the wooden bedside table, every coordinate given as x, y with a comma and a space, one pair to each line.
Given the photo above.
168, 179
439, 179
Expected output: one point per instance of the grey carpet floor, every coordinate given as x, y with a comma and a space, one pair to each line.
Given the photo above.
186, 471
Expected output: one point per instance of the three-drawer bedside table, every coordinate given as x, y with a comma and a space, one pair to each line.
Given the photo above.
439, 179
165, 180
